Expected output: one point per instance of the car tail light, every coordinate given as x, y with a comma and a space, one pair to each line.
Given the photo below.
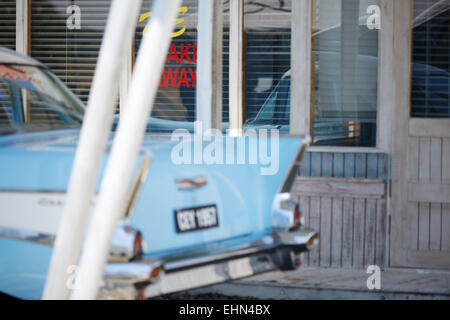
312, 242
298, 262
297, 215
286, 213
155, 273
126, 245
137, 244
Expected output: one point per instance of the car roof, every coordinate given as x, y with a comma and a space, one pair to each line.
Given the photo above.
8, 56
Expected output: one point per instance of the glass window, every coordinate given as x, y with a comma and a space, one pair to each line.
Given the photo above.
431, 59
8, 24
50, 104
68, 49
345, 54
175, 100
267, 58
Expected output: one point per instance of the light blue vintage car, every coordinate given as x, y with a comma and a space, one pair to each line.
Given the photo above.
185, 225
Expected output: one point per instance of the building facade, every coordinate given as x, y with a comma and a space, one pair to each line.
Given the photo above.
369, 80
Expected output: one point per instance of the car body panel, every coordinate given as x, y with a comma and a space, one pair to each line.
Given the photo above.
35, 167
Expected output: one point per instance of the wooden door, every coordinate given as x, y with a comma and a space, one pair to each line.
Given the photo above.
420, 197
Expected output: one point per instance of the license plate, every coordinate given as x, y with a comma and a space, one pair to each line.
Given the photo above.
199, 218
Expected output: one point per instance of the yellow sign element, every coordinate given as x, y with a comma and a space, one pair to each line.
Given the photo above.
178, 21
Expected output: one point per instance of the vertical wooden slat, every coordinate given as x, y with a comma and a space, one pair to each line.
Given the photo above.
327, 164
383, 163
372, 166
347, 237
413, 160
381, 233
435, 178
304, 207
305, 165
361, 165
413, 207
435, 226
325, 232
424, 160
413, 213
424, 226
358, 233
369, 233
424, 177
316, 164
349, 165
445, 235
446, 160
314, 216
338, 165
436, 160
336, 233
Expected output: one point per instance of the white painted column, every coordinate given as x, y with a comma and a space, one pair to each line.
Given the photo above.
126, 146
236, 69
23, 43
209, 68
386, 103
301, 114
127, 70
91, 146
23, 22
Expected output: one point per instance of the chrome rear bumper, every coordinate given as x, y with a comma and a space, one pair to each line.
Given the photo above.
202, 267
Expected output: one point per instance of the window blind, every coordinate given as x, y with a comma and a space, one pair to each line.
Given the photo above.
430, 90
267, 53
8, 24
8, 40
267, 57
175, 99
70, 53
345, 53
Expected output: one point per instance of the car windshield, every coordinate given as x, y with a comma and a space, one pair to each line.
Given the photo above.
33, 99
274, 109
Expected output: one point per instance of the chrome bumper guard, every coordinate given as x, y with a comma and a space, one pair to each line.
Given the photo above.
199, 268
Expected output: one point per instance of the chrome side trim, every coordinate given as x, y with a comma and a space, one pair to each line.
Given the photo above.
289, 180
25, 235
136, 185
301, 239
189, 184
235, 263
210, 274
122, 245
297, 239
130, 272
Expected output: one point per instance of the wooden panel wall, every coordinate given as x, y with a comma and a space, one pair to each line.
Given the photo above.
343, 196
345, 165
428, 194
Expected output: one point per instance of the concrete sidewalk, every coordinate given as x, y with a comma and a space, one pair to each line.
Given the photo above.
321, 283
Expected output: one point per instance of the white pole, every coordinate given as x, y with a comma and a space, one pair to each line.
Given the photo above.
209, 71
144, 85
91, 147
236, 81
301, 53
204, 69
